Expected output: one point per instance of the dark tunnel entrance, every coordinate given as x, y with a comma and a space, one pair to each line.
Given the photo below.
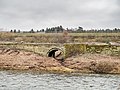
56, 53
52, 53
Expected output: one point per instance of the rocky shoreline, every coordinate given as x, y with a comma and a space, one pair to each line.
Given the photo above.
87, 63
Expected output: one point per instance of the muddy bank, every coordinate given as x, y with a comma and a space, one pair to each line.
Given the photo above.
24, 60
87, 63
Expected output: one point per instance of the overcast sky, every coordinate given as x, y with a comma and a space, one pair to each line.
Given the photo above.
38, 14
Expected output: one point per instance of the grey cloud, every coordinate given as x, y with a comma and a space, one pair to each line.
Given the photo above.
26, 14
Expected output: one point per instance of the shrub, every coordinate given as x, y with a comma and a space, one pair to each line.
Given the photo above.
102, 67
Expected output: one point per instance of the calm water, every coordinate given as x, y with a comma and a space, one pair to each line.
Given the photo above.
10, 80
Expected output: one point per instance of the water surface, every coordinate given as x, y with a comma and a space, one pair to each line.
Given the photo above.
10, 80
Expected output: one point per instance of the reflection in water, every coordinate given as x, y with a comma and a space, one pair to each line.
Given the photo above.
29, 81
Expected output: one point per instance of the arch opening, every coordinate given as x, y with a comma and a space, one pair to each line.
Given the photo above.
52, 53
56, 53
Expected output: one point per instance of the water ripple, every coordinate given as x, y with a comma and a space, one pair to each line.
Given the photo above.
28, 81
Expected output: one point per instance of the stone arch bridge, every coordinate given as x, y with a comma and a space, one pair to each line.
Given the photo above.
66, 50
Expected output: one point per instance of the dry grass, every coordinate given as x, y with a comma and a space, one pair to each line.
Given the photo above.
59, 37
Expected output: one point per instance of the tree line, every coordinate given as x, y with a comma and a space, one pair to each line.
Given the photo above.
60, 29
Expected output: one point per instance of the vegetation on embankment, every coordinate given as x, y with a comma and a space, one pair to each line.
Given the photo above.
87, 63
73, 49
94, 63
